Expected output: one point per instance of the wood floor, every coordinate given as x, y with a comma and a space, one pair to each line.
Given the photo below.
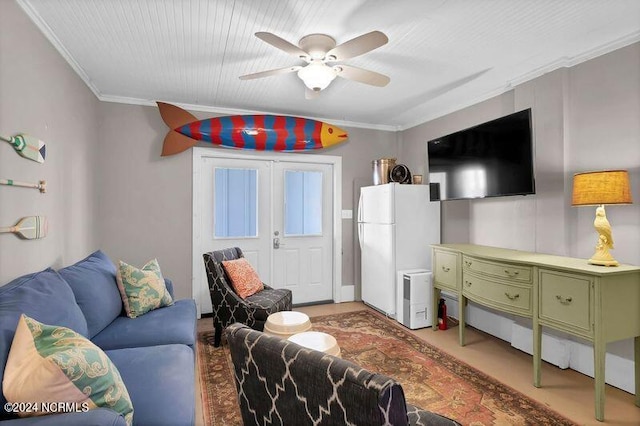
565, 391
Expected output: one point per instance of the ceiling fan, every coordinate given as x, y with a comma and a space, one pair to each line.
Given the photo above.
317, 50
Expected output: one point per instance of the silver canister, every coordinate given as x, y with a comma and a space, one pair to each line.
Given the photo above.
381, 169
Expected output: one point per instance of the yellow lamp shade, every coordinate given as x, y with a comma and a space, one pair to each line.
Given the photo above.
603, 187
600, 188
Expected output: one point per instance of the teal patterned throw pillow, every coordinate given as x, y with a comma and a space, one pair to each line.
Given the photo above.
52, 366
142, 290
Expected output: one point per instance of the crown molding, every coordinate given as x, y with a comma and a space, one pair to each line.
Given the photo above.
234, 111
444, 109
49, 35
564, 62
571, 61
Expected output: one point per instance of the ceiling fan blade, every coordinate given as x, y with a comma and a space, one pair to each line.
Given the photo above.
270, 73
282, 44
357, 46
311, 94
363, 76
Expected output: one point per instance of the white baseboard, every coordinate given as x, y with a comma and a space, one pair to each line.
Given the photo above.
564, 353
555, 350
489, 322
619, 371
348, 293
484, 320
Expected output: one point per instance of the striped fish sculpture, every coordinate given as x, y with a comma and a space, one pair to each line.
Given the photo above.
256, 132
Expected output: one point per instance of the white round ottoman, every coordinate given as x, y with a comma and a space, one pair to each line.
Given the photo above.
317, 340
286, 323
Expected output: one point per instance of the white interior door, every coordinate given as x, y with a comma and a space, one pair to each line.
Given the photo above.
235, 211
303, 230
246, 201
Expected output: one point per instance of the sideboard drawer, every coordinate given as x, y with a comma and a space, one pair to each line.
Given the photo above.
497, 269
501, 295
566, 300
446, 268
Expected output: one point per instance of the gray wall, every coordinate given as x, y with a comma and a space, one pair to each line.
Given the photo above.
144, 208
145, 200
110, 189
108, 186
585, 118
603, 120
42, 96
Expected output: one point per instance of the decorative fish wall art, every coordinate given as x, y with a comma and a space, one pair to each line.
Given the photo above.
27, 146
254, 132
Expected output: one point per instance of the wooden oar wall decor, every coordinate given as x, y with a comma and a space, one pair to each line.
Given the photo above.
27, 146
29, 228
42, 185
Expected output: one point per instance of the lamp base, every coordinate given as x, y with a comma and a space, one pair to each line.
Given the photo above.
603, 262
602, 257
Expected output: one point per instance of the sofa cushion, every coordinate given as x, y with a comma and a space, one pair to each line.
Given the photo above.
160, 380
244, 279
54, 363
93, 281
171, 324
169, 285
44, 296
142, 289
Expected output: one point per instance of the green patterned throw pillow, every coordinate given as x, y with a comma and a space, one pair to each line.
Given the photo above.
52, 366
142, 290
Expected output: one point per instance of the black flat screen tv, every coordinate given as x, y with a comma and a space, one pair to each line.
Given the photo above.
492, 159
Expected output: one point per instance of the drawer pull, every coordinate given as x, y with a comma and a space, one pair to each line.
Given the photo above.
564, 300
511, 273
467, 283
444, 268
510, 297
468, 263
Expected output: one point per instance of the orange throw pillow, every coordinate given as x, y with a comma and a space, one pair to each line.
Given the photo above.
244, 279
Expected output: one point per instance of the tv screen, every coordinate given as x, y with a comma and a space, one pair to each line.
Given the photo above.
489, 160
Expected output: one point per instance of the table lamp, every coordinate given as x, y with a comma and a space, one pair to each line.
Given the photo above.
598, 189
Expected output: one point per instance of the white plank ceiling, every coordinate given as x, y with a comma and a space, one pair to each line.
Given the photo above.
442, 55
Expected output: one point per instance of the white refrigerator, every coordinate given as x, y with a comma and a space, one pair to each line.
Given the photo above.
396, 225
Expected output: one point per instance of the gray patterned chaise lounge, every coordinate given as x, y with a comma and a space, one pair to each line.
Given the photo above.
282, 383
228, 307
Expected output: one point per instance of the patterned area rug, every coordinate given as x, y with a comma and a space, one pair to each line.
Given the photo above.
431, 379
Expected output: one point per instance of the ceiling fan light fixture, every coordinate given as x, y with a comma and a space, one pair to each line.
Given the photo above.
318, 49
317, 76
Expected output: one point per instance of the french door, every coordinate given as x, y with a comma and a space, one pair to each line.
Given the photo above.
302, 230
280, 212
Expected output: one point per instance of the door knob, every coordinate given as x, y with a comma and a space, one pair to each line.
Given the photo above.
276, 243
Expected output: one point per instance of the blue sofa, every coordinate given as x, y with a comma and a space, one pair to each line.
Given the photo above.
154, 353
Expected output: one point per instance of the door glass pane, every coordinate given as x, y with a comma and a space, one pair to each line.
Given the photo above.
303, 203
235, 202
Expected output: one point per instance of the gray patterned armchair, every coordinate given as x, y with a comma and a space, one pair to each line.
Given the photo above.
228, 307
282, 383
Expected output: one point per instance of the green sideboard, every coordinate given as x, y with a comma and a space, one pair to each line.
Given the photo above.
597, 303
